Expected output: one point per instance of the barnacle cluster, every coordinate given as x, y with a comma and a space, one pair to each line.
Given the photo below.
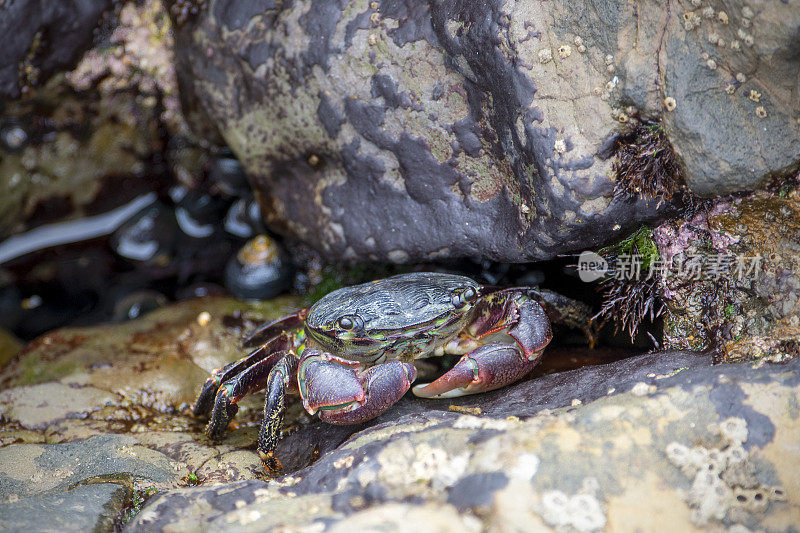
724, 486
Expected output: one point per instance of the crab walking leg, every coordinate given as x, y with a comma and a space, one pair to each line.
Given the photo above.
205, 400
278, 381
344, 395
269, 331
492, 366
251, 379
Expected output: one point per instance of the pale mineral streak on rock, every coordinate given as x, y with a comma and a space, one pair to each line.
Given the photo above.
397, 517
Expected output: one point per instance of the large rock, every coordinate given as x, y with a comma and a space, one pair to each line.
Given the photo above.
398, 131
133, 381
95, 420
402, 131
697, 447
732, 69
39, 38
92, 507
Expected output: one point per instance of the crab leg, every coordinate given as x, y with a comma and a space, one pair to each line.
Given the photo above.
205, 400
278, 381
344, 395
492, 366
251, 379
269, 331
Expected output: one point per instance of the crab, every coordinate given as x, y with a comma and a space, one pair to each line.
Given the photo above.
350, 355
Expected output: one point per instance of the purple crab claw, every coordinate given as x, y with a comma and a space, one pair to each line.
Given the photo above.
383, 384
486, 368
328, 382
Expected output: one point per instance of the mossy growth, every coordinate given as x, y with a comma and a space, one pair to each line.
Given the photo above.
640, 244
631, 286
646, 165
138, 498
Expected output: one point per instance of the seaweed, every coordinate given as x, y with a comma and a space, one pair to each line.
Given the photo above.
646, 165
628, 300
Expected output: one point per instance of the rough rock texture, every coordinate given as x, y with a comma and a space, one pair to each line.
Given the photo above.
94, 420
87, 412
734, 285
39, 38
90, 507
92, 139
703, 448
400, 131
136, 379
732, 68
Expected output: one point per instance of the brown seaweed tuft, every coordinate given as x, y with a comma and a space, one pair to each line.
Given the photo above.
646, 165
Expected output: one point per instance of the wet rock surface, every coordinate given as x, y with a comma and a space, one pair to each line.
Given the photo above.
84, 508
96, 420
82, 142
728, 66
393, 131
705, 447
93, 418
484, 128
386, 131
742, 298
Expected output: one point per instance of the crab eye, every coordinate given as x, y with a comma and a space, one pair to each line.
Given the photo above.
350, 322
462, 297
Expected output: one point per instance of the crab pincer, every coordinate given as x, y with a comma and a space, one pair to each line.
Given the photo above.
492, 366
344, 395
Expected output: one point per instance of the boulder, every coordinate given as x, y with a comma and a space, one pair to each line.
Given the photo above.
400, 131
663, 438
97, 421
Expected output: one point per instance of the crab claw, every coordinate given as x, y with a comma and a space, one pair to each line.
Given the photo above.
532, 330
328, 382
384, 385
486, 368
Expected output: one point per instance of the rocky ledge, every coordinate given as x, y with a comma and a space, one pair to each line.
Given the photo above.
109, 441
